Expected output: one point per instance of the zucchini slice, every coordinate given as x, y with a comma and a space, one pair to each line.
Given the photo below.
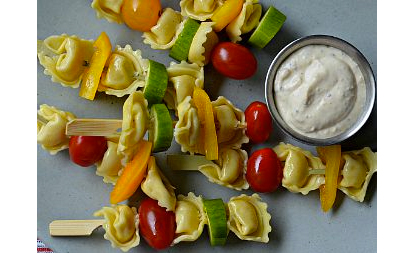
216, 213
180, 49
269, 25
156, 82
160, 132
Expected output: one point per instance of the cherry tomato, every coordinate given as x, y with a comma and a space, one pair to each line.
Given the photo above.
264, 172
233, 60
141, 15
87, 150
258, 121
156, 224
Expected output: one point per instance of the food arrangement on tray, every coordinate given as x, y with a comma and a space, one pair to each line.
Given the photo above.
164, 105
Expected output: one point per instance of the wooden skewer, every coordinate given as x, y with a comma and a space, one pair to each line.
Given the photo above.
102, 127
93, 127
74, 227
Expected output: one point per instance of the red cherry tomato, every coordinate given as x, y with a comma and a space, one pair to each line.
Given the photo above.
258, 122
87, 150
264, 172
140, 15
156, 224
233, 60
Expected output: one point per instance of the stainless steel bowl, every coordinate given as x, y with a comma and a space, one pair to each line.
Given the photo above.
346, 47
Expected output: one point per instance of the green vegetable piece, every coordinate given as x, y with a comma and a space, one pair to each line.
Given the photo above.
156, 82
269, 25
180, 49
161, 128
216, 213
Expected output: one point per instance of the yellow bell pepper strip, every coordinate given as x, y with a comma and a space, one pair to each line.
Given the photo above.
132, 175
92, 75
206, 117
331, 155
226, 13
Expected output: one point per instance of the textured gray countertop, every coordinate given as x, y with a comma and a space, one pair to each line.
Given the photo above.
66, 191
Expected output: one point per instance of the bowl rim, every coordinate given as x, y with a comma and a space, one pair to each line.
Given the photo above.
350, 50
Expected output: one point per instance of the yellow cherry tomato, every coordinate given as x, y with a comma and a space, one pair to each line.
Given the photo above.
141, 15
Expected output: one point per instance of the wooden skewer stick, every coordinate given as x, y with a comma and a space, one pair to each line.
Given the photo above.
93, 127
102, 127
74, 227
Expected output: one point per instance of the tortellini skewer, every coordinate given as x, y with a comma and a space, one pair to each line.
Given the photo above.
355, 172
247, 217
246, 21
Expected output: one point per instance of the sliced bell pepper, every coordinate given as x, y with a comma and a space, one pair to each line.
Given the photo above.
92, 75
206, 117
331, 156
132, 175
226, 13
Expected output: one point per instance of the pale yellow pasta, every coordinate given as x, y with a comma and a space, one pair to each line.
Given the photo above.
110, 166
121, 223
108, 9
297, 166
52, 136
187, 128
183, 77
124, 73
65, 58
246, 21
358, 169
165, 33
203, 42
230, 124
190, 218
157, 186
229, 170
199, 9
134, 125
249, 218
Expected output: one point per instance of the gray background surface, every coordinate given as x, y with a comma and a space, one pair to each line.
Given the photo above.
66, 191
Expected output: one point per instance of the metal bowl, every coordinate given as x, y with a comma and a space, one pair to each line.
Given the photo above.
344, 46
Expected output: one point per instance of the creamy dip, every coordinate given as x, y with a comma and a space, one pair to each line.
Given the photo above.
320, 91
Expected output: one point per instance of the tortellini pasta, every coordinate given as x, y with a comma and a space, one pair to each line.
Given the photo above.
199, 9
165, 33
190, 218
124, 73
203, 42
134, 125
187, 128
230, 124
52, 135
249, 218
65, 58
157, 186
246, 21
110, 166
357, 171
297, 165
183, 77
108, 9
121, 223
229, 170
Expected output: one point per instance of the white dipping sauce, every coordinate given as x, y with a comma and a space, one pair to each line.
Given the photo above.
320, 91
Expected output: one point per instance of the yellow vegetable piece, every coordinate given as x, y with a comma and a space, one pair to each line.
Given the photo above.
132, 175
331, 155
208, 130
226, 13
93, 73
